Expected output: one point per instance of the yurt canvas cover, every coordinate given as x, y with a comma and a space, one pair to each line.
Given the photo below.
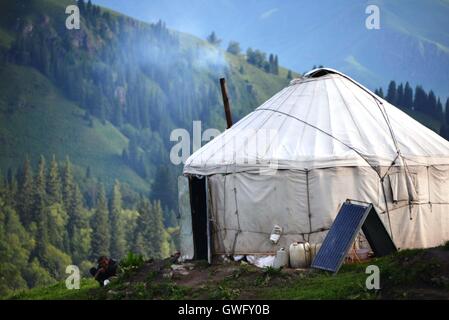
293, 161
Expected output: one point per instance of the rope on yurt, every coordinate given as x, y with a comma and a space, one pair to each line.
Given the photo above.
284, 233
285, 119
239, 230
214, 216
384, 113
386, 206
351, 148
308, 206
224, 200
428, 188
225, 143
320, 130
387, 121
406, 169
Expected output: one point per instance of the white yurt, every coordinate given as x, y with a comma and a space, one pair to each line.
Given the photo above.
294, 160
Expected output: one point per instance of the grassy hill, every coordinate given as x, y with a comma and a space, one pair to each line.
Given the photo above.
37, 119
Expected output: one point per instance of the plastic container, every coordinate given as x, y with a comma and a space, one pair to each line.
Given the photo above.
299, 255
276, 234
314, 248
281, 259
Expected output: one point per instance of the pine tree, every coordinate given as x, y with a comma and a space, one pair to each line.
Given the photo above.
26, 193
67, 183
2, 183
42, 222
165, 180
54, 183
234, 48
118, 243
446, 111
142, 241
213, 39
431, 106
408, 96
420, 99
289, 75
11, 190
40, 179
271, 63
88, 174
15, 248
381, 93
82, 6
157, 233
40, 214
400, 96
276, 65
79, 229
89, 7
100, 227
439, 108
391, 93
57, 226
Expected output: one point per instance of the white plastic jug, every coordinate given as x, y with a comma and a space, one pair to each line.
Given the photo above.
299, 255
281, 259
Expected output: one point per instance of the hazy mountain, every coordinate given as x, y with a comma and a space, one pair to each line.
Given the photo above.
412, 43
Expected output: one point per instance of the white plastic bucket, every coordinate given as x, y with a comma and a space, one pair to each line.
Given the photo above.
299, 255
281, 259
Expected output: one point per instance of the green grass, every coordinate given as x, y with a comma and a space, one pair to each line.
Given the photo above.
406, 274
88, 287
347, 284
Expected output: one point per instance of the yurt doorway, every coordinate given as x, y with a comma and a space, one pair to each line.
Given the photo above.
198, 202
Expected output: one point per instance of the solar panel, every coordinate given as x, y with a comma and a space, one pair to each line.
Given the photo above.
377, 236
350, 219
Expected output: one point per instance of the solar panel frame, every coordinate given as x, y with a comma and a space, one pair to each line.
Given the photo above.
341, 236
377, 235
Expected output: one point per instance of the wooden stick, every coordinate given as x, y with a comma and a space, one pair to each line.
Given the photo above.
227, 107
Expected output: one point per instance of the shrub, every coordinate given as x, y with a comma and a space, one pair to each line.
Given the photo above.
132, 261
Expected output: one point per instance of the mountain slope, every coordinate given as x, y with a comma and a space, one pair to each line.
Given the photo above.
411, 45
36, 119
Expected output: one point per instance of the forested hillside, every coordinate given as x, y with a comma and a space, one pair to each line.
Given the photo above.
424, 106
85, 123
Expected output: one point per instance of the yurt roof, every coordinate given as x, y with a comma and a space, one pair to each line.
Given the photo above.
325, 119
